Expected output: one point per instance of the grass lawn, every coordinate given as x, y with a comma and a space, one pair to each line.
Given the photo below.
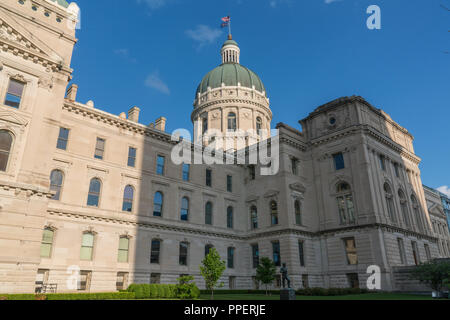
366, 296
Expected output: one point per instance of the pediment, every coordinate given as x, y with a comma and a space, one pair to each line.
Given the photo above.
11, 117
13, 33
436, 209
297, 187
271, 193
251, 198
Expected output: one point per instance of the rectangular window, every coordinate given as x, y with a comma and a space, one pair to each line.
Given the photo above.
208, 177
252, 172
160, 162
305, 281
63, 138
131, 157
230, 257
121, 282
229, 183
427, 252
353, 280
84, 281
155, 278
186, 171
99, 148
183, 253
154, 256
46, 244
339, 161
397, 171
294, 165
232, 282
401, 249
301, 253
382, 162
415, 253
255, 255
14, 93
87, 247
350, 250
41, 279
124, 244
276, 253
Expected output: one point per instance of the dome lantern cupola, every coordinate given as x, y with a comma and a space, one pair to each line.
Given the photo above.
230, 51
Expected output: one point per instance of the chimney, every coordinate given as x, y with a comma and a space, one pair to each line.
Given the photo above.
160, 124
133, 114
71, 93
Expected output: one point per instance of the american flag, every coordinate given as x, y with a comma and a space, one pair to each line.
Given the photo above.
226, 19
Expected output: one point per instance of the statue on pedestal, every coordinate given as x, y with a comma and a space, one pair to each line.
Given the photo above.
284, 276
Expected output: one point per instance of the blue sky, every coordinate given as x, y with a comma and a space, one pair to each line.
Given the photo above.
153, 54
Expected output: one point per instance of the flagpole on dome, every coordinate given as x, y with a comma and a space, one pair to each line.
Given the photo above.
229, 29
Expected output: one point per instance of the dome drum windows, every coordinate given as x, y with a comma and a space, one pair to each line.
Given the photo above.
232, 122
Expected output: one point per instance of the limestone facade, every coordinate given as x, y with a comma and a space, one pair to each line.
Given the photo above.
83, 189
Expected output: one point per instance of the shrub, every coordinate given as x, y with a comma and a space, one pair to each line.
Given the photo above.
153, 291
185, 289
91, 296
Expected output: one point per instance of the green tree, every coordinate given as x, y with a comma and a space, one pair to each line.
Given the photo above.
434, 273
266, 271
211, 269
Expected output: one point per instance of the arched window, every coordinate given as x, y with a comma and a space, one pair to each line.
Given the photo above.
6, 140
345, 204
208, 247
274, 213
47, 243
208, 213
184, 212
87, 246
416, 210
94, 192
230, 217
298, 214
389, 201
204, 125
254, 217
158, 204
56, 182
128, 195
231, 121
258, 126
404, 207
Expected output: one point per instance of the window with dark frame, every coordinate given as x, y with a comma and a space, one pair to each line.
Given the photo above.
99, 148
160, 162
186, 171
208, 177
158, 204
94, 192
155, 250
14, 93
255, 255
301, 253
338, 161
276, 253
184, 211
131, 157
63, 138
230, 217
230, 257
6, 140
183, 256
56, 182
229, 183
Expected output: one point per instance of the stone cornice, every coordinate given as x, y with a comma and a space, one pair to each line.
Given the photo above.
238, 235
116, 121
30, 190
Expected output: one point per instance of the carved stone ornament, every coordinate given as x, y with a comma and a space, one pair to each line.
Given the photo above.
46, 83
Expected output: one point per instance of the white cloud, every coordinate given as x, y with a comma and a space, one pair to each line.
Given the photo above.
331, 1
153, 4
154, 81
125, 54
203, 34
445, 190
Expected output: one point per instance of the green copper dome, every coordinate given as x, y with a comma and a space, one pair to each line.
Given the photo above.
63, 3
230, 74
230, 41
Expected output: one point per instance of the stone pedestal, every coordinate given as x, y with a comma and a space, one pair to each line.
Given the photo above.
287, 294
